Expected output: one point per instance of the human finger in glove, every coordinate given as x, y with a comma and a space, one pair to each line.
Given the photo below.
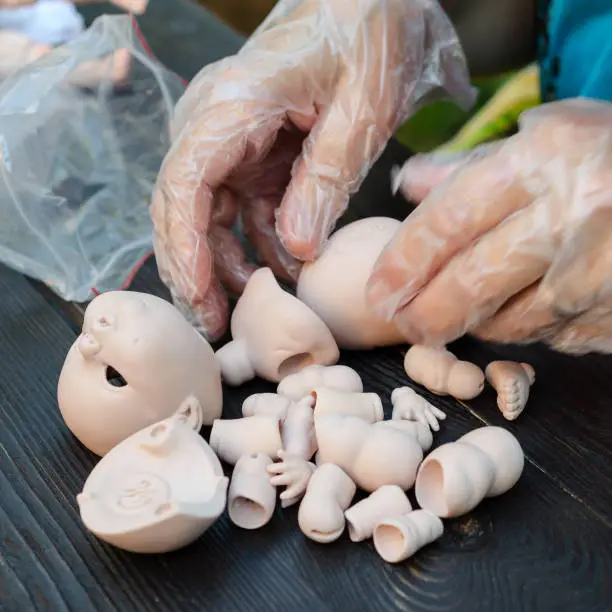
279, 136
512, 243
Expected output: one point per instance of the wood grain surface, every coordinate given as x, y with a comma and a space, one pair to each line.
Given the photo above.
545, 546
538, 547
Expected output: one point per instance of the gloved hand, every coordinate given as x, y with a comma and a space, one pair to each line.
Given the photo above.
294, 120
513, 243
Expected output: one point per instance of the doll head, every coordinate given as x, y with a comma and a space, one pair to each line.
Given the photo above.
156, 491
136, 362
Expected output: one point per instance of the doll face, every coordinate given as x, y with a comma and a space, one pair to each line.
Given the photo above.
124, 335
127, 369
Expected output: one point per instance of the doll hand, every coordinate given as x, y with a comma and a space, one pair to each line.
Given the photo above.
282, 133
409, 405
292, 472
515, 243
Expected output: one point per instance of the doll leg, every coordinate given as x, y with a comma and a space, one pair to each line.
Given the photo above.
17, 50
114, 68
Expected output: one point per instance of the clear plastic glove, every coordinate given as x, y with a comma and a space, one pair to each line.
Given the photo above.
512, 243
295, 119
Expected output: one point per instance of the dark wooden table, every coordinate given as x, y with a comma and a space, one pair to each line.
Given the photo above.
544, 546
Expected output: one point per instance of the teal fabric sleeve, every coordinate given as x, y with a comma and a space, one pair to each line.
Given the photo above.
575, 49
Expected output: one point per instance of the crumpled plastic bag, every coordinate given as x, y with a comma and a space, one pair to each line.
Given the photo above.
78, 160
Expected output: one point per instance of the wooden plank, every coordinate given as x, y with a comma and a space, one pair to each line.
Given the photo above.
48, 561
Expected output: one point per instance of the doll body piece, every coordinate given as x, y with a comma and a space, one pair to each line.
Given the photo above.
329, 493
274, 335
362, 518
442, 373
409, 405
293, 473
266, 404
137, 361
512, 382
415, 429
335, 377
251, 498
29, 32
156, 491
366, 406
397, 538
233, 438
334, 285
17, 50
457, 476
373, 455
298, 429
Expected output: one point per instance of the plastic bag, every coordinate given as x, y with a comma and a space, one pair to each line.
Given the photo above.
83, 133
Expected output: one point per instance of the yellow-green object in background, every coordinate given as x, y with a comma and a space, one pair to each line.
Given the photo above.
500, 114
500, 101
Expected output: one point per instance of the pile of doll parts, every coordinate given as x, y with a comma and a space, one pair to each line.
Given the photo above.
139, 383
31, 29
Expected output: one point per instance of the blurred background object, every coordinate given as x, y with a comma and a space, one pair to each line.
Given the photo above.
242, 15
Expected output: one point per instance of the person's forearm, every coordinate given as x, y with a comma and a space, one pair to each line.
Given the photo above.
496, 35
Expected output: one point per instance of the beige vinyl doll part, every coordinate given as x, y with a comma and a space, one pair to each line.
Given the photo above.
457, 476
361, 518
366, 406
262, 404
114, 68
18, 50
293, 473
274, 335
157, 491
371, 454
336, 377
136, 362
512, 382
334, 285
233, 438
321, 513
251, 498
298, 433
409, 405
296, 420
398, 538
442, 373
422, 433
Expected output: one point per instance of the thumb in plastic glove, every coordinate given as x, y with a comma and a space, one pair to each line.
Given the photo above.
285, 131
511, 243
